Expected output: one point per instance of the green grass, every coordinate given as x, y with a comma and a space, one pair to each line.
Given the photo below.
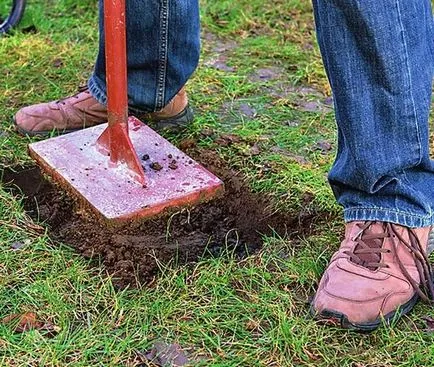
252, 312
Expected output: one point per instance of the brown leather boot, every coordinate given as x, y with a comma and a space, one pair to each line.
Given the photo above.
82, 110
378, 274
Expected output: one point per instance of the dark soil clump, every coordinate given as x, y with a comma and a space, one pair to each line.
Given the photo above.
234, 222
173, 165
156, 166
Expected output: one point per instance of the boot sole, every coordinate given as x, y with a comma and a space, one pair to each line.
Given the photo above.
339, 319
335, 318
182, 120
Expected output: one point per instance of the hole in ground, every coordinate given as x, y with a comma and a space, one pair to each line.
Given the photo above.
235, 223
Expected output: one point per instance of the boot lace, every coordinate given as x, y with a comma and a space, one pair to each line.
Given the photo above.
369, 249
82, 88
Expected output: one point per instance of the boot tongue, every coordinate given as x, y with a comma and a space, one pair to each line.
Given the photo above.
371, 237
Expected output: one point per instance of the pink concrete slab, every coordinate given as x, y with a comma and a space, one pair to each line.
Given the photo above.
74, 161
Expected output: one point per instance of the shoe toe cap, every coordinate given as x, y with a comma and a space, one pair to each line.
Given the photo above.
24, 120
354, 297
31, 120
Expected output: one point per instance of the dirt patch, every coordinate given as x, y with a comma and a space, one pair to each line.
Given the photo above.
235, 222
267, 74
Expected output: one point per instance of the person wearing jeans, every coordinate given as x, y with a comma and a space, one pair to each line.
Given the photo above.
379, 60
163, 45
378, 55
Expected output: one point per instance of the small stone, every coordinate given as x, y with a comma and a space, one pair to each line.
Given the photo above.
220, 64
57, 63
255, 150
247, 110
328, 101
164, 354
17, 245
292, 123
324, 146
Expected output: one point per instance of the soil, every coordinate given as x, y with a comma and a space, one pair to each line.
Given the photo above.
173, 164
234, 222
156, 166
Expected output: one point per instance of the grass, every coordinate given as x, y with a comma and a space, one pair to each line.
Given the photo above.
228, 312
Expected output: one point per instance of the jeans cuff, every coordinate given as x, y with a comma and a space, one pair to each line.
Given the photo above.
388, 215
100, 95
96, 90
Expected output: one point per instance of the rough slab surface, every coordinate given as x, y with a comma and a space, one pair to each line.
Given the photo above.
174, 180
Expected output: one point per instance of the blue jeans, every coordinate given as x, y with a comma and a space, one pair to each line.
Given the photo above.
378, 55
163, 45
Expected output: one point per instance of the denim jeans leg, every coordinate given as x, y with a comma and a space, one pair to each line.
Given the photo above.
163, 45
379, 59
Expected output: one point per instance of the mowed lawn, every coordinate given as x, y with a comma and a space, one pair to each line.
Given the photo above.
263, 106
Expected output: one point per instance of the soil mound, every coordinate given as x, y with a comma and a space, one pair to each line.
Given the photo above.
234, 222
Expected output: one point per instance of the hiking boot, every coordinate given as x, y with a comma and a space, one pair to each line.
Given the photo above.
83, 110
378, 274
